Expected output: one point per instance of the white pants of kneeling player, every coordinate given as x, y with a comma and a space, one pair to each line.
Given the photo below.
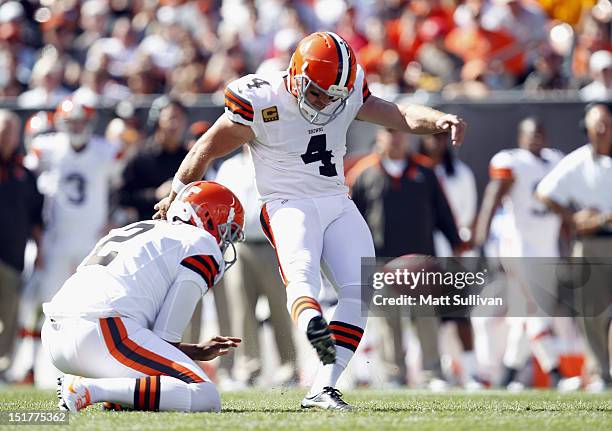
114, 353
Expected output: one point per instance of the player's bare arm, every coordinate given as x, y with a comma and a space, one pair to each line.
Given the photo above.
494, 193
417, 119
209, 350
584, 222
222, 138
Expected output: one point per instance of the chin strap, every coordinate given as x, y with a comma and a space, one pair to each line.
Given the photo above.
229, 263
228, 234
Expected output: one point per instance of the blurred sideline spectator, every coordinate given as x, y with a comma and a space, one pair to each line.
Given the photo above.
149, 175
578, 189
20, 219
459, 185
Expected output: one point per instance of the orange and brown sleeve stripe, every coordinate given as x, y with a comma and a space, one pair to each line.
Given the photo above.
303, 303
147, 393
204, 265
130, 354
366, 91
345, 334
238, 105
264, 219
500, 173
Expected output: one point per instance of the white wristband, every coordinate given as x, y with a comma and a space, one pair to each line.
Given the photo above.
177, 185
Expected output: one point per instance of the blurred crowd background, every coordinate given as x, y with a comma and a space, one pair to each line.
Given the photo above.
109, 50
151, 74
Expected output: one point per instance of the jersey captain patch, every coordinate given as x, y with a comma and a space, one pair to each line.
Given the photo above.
269, 114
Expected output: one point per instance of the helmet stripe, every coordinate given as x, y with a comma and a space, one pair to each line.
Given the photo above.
343, 58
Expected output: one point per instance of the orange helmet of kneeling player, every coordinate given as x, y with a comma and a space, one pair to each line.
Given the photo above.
212, 207
322, 62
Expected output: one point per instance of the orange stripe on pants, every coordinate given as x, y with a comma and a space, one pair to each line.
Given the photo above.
266, 217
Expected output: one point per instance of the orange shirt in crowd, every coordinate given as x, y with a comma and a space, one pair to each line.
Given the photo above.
407, 44
369, 57
568, 11
480, 44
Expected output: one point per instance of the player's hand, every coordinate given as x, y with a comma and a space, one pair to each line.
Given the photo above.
217, 346
161, 208
163, 190
455, 125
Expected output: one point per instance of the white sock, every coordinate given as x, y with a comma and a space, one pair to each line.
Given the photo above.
114, 390
303, 308
305, 317
327, 375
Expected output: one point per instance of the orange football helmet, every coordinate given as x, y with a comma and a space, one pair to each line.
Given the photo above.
325, 62
75, 119
212, 207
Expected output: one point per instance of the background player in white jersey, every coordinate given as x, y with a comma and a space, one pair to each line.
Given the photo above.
295, 122
74, 170
115, 326
529, 230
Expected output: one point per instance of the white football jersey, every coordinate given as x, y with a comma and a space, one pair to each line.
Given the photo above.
292, 158
130, 271
529, 228
76, 184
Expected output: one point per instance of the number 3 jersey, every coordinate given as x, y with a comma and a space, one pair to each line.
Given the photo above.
139, 270
292, 158
76, 184
529, 229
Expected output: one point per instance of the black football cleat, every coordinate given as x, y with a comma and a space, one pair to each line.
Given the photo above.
328, 399
320, 337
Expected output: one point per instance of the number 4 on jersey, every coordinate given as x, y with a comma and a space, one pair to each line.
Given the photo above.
317, 151
256, 83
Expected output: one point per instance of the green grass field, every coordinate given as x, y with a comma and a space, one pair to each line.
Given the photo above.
376, 410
